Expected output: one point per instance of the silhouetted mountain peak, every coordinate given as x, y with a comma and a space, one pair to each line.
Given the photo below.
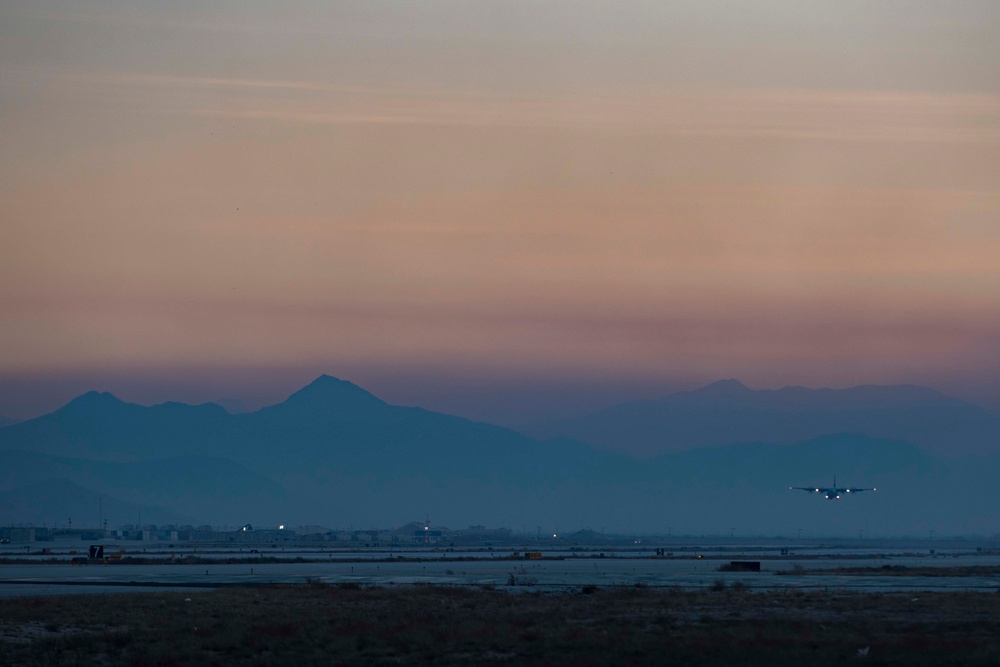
730, 387
719, 392
93, 400
92, 397
328, 392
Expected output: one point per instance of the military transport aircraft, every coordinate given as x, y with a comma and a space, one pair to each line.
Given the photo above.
831, 492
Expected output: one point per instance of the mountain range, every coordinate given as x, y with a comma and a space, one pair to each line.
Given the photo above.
711, 460
727, 411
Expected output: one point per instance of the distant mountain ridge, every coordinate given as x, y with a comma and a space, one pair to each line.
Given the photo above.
868, 396
100, 424
332, 442
728, 411
334, 454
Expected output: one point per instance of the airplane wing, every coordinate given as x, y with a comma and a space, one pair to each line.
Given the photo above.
810, 489
854, 490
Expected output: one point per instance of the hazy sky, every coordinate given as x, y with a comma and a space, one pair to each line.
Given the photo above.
447, 202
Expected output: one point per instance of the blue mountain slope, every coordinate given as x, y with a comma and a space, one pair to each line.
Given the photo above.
332, 441
99, 424
354, 459
54, 502
855, 459
329, 424
219, 489
746, 486
727, 411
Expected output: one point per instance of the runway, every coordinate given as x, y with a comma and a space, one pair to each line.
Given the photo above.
559, 569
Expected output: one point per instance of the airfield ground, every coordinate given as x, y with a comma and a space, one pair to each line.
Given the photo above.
330, 624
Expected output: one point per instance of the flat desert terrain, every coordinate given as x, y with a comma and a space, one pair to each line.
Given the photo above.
347, 624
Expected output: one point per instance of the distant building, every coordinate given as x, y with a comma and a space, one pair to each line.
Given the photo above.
481, 534
22, 534
426, 535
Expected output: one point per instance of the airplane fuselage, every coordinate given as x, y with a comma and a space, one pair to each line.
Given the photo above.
831, 492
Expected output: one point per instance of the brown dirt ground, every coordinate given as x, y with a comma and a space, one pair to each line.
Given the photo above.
323, 624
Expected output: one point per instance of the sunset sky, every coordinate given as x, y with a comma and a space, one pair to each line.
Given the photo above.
496, 209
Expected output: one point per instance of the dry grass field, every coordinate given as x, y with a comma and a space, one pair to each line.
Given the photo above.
323, 624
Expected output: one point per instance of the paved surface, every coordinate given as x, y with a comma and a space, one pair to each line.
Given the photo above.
557, 571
